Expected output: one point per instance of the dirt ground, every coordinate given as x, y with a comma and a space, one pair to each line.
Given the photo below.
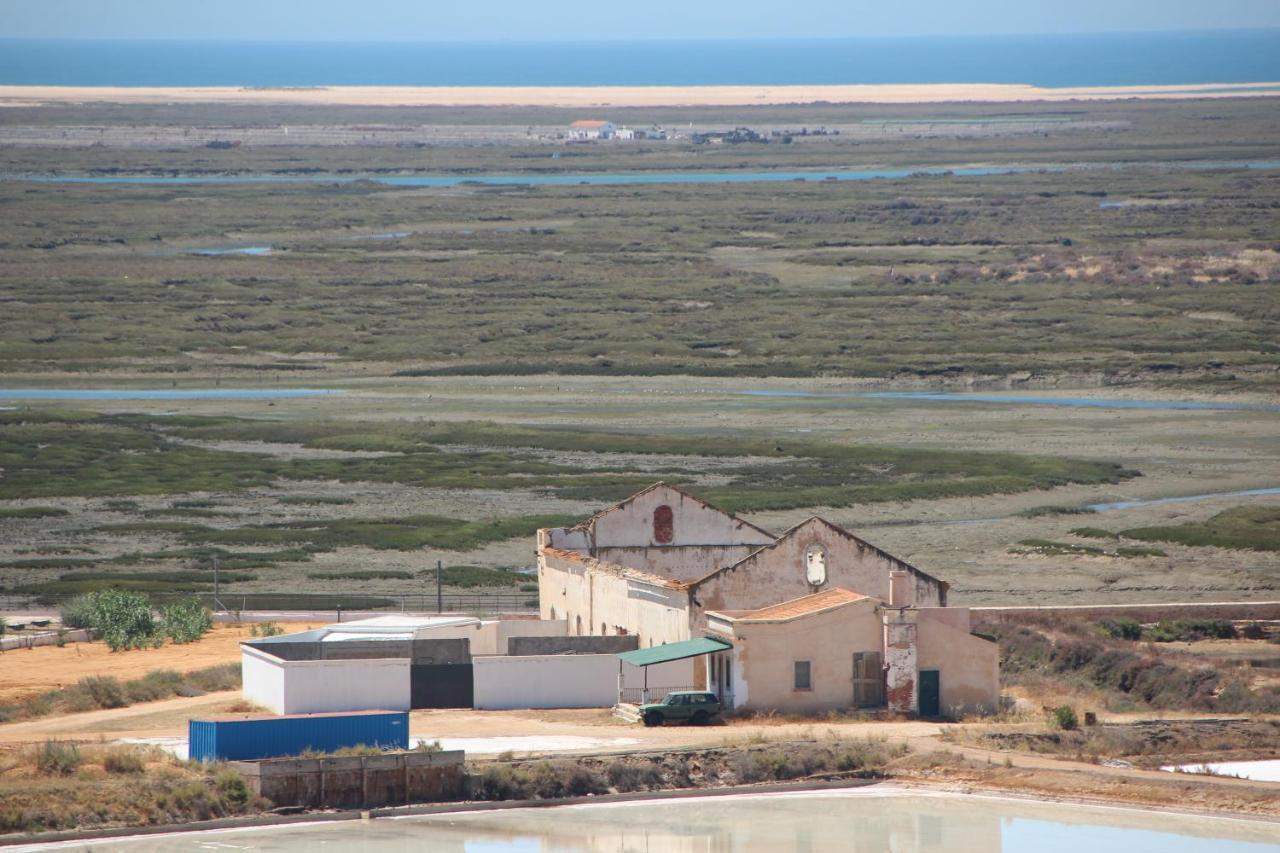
24, 672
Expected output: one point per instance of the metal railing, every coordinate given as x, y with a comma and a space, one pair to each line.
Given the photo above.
636, 695
477, 603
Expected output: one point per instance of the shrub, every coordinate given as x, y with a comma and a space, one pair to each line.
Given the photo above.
77, 612
231, 787
1140, 552
123, 618
1190, 630
224, 676
1122, 628
104, 691
1253, 631
57, 758
266, 629
631, 777
123, 761
1064, 717
186, 621
160, 684
1092, 533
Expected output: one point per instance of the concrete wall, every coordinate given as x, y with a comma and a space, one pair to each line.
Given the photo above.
567, 681
498, 634
969, 666
764, 656
443, 650
546, 681
308, 687
589, 594
607, 645
777, 573
366, 781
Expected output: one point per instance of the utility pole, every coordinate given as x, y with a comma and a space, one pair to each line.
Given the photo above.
439, 594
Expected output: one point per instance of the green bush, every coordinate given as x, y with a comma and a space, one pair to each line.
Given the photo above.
123, 618
1064, 717
1092, 533
58, 759
1190, 630
266, 629
185, 621
1122, 628
77, 612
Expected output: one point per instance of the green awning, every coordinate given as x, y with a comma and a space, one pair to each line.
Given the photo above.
674, 651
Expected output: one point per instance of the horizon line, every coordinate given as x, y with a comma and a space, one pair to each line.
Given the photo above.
640, 39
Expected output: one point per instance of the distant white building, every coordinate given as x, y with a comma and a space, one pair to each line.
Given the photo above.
592, 129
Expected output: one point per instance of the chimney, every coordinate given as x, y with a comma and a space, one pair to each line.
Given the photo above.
899, 589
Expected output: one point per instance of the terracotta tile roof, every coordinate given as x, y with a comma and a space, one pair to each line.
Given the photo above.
587, 122
796, 607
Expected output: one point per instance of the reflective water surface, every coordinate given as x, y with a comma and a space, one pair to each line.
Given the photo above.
877, 820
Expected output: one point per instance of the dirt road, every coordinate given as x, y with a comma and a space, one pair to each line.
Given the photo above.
24, 672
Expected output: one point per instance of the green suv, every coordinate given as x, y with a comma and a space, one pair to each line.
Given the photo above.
694, 706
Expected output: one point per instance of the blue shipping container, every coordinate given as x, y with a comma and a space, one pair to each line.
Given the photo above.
247, 738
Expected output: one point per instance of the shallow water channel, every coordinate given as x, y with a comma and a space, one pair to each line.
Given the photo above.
864, 820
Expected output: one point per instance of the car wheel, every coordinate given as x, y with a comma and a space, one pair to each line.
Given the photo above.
700, 718
653, 718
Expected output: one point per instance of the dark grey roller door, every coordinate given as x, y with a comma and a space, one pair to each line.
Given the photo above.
443, 685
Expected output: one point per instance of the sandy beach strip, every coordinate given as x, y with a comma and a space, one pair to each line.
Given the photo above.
613, 96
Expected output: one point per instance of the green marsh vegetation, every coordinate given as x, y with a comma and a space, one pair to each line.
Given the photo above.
922, 277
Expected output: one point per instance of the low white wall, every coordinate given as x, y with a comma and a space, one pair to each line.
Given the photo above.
315, 686
676, 673
545, 681
262, 679
565, 681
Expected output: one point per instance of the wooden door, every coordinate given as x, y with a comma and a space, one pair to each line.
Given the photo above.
868, 680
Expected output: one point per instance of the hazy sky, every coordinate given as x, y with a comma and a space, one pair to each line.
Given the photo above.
535, 20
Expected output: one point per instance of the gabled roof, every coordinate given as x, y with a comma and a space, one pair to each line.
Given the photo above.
808, 605
792, 531
589, 521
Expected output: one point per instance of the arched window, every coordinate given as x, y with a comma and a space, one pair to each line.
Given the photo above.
815, 565
664, 525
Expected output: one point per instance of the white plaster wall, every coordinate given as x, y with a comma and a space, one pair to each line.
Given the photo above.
545, 681
765, 654
968, 666
504, 629
262, 679
311, 687
695, 523
656, 613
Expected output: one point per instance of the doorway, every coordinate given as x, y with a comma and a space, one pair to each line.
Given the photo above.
930, 693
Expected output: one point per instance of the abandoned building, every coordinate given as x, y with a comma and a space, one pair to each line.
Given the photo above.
661, 592
814, 619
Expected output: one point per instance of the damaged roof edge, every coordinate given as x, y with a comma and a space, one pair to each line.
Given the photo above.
662, 484
791, 531
615, 569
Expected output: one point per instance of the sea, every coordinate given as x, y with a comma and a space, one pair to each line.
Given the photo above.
1055, 61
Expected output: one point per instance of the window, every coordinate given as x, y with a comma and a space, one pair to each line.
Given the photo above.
803, 678
664, 525
815, 565
553, 613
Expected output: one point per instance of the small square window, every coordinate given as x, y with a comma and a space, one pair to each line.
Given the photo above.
803, 679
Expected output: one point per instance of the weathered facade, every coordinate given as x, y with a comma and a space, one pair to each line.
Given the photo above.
666, 567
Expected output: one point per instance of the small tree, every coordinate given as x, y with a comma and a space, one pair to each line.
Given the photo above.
185, 621
1065, 717
123, 618
78, 612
